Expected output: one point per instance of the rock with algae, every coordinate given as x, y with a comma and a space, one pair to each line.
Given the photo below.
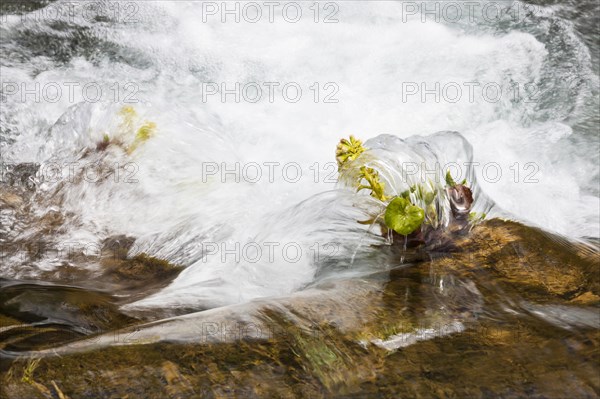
36, 316
323, 342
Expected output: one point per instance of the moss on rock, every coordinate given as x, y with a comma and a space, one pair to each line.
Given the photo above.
321, 346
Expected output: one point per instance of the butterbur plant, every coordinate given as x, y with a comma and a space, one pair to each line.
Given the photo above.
425, 195
460, 196
401, 214
127, 132
403, 217
450, 181
406, 213
146, 131
348, 150
373, 183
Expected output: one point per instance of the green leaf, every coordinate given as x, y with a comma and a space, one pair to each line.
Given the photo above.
429, 197
449, 180
432, 214
145, 131
476, 217
403, 217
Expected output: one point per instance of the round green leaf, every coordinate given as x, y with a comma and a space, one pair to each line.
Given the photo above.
403, 217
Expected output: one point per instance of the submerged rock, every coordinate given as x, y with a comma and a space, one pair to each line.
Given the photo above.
36, 315
10, 199
469, 323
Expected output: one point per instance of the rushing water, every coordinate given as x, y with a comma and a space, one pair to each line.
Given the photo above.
535, 143
220, 184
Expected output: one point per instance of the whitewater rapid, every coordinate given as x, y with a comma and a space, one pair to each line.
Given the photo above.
376, 70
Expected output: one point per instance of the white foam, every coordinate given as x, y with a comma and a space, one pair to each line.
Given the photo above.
368, 55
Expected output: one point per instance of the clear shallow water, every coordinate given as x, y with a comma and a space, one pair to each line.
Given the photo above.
544, 143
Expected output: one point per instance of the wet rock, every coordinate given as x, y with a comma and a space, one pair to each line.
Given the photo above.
10, 199
529, 258
22, 7
511, 289
6, 321
44, 315
19, 175
587, 298
497, 362
140, 271
49, 314
117, 246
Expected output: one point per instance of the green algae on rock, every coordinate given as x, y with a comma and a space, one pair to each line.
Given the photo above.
142, 268
386, 334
